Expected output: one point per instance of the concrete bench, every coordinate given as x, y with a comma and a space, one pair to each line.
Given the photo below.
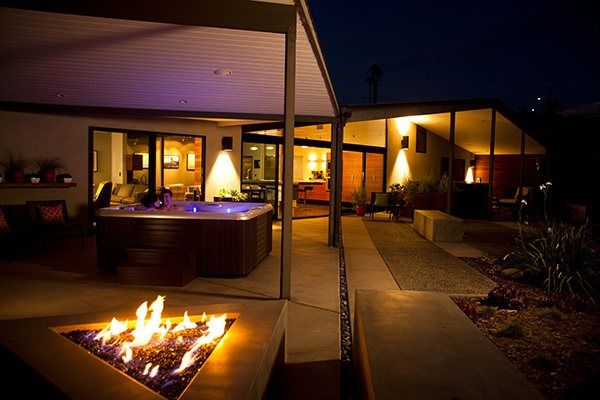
420, 345
438, 226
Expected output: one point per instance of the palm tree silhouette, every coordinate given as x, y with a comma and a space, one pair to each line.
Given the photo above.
373, 80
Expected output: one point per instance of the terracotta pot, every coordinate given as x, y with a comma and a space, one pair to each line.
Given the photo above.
361, 211
49, 176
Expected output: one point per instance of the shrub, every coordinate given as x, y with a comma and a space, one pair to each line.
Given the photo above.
512, 330
486, 312
543, 361
571, 302
507, 296
552, 313
359, 195
428, 184
558, 256
468, 308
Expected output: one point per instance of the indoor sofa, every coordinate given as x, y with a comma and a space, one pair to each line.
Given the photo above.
127, 193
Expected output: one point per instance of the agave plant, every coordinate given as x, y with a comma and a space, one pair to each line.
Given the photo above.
559, 256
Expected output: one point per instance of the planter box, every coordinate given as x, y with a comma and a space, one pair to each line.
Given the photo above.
429, 201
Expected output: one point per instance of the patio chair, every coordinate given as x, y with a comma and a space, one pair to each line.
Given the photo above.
513, 202
50, 217
15, 229
381, 201
102, 196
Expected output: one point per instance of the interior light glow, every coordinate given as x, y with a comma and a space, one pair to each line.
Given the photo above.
253, 148
469, 176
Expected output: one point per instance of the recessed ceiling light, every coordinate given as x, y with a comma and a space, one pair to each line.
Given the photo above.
253, 148
59, 95
223, 72
183, 101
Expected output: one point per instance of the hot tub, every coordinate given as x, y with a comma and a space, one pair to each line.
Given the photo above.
225, 239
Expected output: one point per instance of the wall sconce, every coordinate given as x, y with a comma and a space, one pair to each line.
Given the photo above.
404, 142
227, 143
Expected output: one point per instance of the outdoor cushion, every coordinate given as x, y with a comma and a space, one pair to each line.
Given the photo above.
3, 223
51, 214
382, 199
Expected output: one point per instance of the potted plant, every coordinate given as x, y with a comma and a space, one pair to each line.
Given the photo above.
33, 177
14, 166
223, 195
48, 166
359, 199
237, 195
64, 178
430, 193
231, 195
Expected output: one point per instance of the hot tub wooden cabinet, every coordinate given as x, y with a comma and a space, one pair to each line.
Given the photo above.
171, 248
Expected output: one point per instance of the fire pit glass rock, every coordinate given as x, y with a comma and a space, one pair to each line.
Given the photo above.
161, 357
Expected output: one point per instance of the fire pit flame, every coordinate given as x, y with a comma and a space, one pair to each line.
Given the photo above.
152, 349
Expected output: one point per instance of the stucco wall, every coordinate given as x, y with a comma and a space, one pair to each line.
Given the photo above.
66, 137
401, 163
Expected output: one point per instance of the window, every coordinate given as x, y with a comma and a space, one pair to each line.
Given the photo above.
421, 139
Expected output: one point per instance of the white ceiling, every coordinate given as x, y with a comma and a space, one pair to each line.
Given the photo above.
473, 125
59, 59
73, 60
473, 132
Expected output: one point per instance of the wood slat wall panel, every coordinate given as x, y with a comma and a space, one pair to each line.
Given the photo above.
506, 173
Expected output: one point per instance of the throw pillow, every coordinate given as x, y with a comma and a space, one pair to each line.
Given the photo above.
3, 223
382, 199
51, 214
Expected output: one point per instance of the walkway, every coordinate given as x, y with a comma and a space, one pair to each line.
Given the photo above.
66, 281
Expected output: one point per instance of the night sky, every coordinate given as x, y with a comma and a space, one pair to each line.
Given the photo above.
514, 50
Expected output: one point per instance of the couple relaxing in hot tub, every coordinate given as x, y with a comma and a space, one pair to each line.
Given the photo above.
164, 202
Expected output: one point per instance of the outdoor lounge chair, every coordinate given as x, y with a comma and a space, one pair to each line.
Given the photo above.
381, 201
50, 217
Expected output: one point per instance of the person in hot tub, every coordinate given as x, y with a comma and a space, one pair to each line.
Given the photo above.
151, 202
166, 196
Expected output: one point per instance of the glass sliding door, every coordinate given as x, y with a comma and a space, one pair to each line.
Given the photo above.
179, 161
260, 173
146, 161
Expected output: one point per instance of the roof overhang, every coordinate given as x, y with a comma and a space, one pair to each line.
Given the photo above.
220, 59
473, 125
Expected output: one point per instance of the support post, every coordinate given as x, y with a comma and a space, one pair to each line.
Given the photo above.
288, 163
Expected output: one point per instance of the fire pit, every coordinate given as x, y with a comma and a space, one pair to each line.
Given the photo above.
246, 363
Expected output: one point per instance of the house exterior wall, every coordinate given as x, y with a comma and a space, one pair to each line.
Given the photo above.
66, 137
402, 163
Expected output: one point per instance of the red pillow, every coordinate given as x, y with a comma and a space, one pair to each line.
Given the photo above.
3, 223
51, 214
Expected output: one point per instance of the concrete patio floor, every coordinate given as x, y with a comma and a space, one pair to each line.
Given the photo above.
65, 281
